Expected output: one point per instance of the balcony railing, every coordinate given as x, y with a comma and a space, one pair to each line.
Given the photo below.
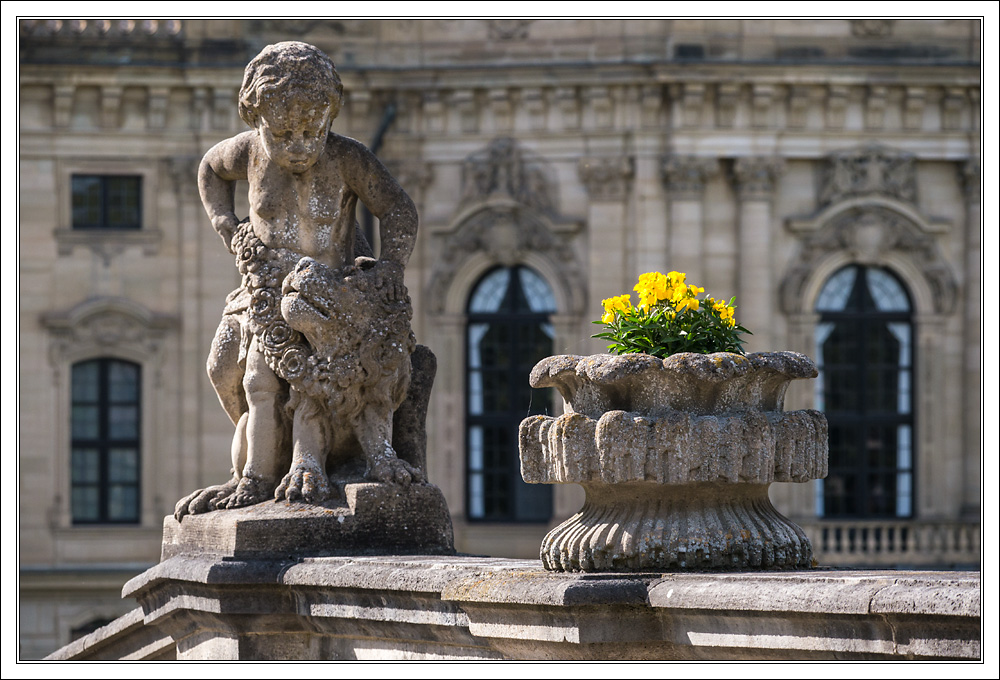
894, 543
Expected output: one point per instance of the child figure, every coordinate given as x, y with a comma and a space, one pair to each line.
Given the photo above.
304, 183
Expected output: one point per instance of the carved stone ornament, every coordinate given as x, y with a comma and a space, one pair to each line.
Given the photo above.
505, 233
504, 169
508, 29
755, 176
103, 325
314, 360
685, 176
675, 456
607, 178
869, 234
871, 28
871, 170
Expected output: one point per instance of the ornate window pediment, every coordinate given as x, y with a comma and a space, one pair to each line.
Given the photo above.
872, 170
504, 169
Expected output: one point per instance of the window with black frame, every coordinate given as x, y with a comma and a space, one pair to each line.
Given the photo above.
864, 342
105, 442
107, 201
508, 332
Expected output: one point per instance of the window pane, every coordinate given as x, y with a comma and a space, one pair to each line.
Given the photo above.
536, 291
123, 503
87, 201
490, 292
123, 465
886, 291
85, 466
123, 422
837, 290
85, 382
85, 422
123, 382
123, 202
85, 504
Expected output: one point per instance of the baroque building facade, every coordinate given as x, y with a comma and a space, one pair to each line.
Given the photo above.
825, 172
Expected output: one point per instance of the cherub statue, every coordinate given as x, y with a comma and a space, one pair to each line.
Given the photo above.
312, 356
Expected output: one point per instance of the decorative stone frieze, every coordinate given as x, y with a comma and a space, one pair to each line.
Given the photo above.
506, 234
755, 176
106, 325
867, 171
606, 178
870, 235
675, 456
685, 176
871, 28
504, 169
508, 29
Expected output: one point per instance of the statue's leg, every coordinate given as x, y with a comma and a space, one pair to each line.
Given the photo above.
265, 434
224, 369
306, 479
375, 432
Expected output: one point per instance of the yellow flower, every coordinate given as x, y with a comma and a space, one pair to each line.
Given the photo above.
652, 288
687, 303
619, 303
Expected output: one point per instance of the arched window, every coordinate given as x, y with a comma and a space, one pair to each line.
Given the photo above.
508, 333
105, 437
864, 342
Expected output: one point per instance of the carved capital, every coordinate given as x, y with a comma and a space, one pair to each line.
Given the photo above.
606, 178
685, 176
872, 170
755, 176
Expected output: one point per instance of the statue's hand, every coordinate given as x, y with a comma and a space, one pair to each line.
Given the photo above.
226, 225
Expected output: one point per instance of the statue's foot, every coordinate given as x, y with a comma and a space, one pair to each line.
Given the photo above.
389, 469
306, 482
204, 500
250, 491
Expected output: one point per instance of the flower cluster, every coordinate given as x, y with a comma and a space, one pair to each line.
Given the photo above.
670, 318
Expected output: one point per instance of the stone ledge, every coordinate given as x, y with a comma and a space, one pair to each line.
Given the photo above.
465, 607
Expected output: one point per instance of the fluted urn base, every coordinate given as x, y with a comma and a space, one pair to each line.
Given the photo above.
654, 527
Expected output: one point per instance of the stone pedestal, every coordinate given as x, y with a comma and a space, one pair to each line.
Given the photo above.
676, 456
373, 519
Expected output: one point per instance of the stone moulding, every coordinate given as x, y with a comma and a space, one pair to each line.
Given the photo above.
676, 456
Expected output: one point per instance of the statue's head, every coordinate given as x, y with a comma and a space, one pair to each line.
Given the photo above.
291, 93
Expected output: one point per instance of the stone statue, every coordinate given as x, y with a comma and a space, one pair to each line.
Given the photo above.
314, 354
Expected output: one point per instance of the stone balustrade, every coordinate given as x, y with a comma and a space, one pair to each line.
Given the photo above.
463, 607
894, 543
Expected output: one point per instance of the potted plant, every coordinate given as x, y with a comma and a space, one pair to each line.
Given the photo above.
675, 436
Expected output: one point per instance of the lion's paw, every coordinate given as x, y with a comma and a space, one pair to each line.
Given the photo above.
305, 483
249, 491
393, 471
204, 500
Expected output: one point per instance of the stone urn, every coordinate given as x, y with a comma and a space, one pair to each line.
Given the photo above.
676, 456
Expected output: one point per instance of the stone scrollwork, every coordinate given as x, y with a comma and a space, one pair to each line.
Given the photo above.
504, 169
871, 170
105, 325
870, 234
506, 234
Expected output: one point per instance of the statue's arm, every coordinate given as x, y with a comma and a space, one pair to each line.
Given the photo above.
386, 200
222, 166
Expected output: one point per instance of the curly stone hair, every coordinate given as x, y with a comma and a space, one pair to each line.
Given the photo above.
289, 66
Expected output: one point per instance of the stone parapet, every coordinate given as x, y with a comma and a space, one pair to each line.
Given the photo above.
490, 608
